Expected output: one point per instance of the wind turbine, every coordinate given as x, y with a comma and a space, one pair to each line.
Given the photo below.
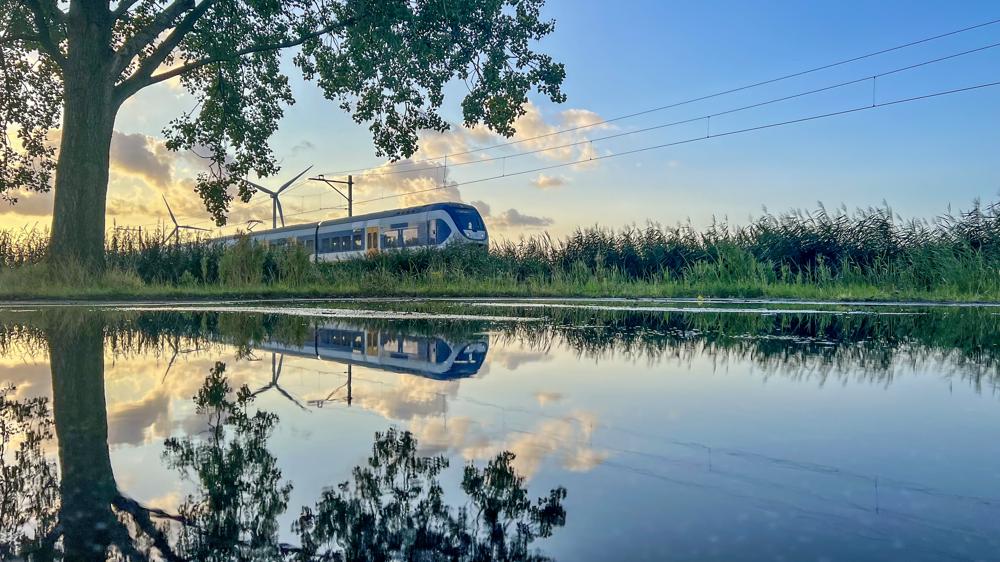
176, 232
276, 210
276, 365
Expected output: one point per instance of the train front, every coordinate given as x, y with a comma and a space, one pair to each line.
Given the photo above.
470, 224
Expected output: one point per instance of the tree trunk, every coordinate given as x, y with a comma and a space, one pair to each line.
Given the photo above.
89, 110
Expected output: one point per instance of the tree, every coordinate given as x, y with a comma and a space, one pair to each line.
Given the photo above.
384, 61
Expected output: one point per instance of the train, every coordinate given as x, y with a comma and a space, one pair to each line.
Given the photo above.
435, 225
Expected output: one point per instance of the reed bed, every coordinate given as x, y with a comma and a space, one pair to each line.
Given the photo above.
868, 252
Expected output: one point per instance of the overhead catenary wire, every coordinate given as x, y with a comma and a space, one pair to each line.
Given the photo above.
772, 101
707, 136
690, 100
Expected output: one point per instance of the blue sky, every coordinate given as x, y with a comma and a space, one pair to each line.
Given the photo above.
637, 54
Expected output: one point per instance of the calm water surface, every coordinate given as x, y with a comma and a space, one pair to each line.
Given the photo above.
500, 431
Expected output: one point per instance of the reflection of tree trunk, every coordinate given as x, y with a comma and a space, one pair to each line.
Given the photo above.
88, 484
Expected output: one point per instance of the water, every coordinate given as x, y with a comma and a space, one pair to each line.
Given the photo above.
501, 430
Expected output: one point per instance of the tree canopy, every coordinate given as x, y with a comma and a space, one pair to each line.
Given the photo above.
386, 62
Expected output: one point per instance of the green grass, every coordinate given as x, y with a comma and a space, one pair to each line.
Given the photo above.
40, 282
867, 255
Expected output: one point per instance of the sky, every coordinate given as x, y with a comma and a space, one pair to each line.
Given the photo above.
921, 158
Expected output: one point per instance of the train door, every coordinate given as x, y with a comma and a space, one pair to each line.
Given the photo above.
372, 239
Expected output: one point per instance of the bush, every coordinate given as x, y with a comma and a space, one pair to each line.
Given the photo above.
242, 263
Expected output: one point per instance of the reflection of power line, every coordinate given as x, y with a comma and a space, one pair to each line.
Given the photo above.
329, 399
765, 503
710, 451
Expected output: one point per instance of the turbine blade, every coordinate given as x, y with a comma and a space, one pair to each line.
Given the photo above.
281, 212
169, 210
257, 186
293, 180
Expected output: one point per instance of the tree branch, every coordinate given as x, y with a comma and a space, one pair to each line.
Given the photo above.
45, 39
142, 518
123, 7
15, 37
194, 65
162, 22
140, 77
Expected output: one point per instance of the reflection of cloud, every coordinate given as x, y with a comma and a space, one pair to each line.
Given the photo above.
28, 378
546, 398
137, 422
410, 397
511, 360
565, 439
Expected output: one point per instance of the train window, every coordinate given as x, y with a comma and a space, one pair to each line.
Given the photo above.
467, 219
392, 238
411, 237
357, 241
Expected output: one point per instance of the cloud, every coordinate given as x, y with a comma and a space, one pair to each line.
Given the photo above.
512, 218
482, 207
543, 181
303, 146
416, 181
143, 157
29, 203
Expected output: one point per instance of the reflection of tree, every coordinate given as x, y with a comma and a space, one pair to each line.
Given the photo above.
28, 485
397, 504
95, 518
395, 510
233, 514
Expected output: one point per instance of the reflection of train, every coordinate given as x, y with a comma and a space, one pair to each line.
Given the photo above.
390, 350
429, 226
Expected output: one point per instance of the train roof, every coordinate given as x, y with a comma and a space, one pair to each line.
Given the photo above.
365, 217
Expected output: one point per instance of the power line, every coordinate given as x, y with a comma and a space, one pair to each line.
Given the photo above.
705, 116
707, 136
691, 100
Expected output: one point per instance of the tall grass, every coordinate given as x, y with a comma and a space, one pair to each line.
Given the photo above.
795, 253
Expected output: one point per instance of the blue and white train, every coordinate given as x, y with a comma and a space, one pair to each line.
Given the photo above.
428, 226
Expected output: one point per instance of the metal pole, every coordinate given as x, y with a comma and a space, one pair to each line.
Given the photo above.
350, 196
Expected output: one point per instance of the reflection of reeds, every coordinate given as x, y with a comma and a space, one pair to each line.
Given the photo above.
829, 346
